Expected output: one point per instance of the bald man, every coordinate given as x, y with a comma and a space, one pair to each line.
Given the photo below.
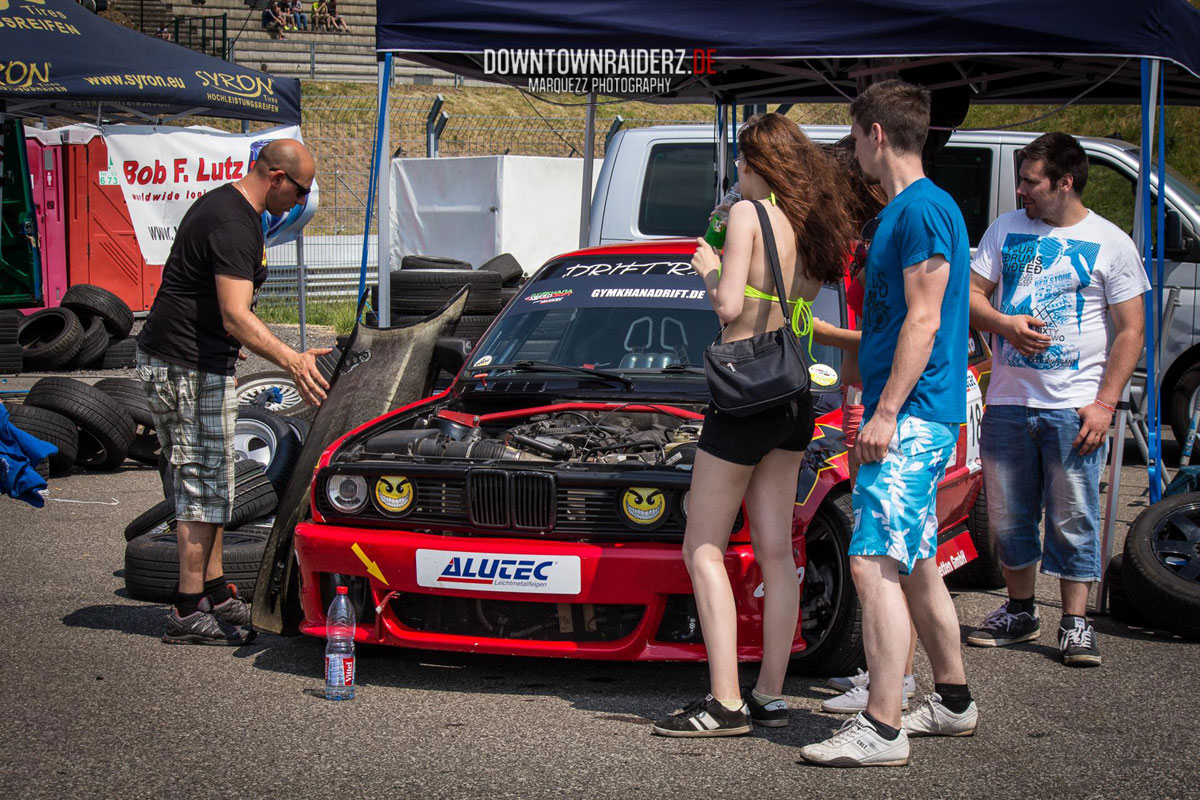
203, 314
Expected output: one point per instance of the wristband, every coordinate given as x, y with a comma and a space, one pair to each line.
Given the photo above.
1105, 406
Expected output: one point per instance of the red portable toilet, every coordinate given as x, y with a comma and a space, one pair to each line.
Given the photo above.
46, 172
102, 247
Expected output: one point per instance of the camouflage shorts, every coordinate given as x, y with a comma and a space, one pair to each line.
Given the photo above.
195, 414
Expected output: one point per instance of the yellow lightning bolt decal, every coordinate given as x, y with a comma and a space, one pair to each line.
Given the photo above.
372, 567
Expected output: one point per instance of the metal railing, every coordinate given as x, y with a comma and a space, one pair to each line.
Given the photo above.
204, 34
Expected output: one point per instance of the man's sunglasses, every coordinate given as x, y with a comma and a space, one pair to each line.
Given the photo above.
863, 246
301, 189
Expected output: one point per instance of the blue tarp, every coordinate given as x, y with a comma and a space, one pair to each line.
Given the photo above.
1006, 51
56, 58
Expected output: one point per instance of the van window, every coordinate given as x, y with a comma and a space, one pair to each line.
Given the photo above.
1111, 193
677, 193
966, 174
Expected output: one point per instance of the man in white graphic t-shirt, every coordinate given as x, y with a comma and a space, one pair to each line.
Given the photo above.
1046, 280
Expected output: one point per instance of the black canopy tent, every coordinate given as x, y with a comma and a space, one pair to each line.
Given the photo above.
58, 59
971, 51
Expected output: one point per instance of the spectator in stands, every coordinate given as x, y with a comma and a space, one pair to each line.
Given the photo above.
335, 19
272, 21
164, 33
285, 11
320, 15
299, 18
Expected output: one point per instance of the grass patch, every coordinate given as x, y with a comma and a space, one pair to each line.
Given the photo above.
338, 314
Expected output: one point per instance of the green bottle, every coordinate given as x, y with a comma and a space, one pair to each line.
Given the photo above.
719, 221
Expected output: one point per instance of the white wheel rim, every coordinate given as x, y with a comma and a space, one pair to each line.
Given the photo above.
289, 395
254, 440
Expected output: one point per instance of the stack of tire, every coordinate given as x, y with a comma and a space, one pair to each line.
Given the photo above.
1155, 583
11, 354
424, 284
267, 447
91, 428
89, 328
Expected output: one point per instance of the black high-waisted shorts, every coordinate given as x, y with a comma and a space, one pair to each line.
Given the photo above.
745, 440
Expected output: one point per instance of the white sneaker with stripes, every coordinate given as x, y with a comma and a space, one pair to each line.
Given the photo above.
858, 744
707, 717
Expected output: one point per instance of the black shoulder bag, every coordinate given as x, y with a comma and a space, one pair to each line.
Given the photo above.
752, 375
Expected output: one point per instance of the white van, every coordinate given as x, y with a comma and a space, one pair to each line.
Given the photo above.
659, 182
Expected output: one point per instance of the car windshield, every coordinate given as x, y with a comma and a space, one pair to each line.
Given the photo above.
643, 316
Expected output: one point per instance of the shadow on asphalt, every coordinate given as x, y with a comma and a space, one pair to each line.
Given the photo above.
134, 620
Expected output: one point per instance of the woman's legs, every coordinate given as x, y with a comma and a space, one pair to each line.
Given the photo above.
716, 497
770, 500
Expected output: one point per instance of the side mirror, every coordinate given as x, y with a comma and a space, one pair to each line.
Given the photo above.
1175, 245
450, 353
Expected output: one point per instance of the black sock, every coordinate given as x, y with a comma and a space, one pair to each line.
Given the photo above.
187, 604
955, 696
1016, 606
217, 590
1068, 621
886, 731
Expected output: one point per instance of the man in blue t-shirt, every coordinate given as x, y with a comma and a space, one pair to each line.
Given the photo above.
913, 359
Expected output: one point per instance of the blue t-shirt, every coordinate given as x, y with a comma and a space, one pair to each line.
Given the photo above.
921, 222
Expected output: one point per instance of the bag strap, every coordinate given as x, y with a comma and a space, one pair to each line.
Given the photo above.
772, 257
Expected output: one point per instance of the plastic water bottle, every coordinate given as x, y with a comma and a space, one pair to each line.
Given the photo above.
715, 235
339, 648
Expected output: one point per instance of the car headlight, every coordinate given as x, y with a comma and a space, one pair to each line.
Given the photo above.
683, 501
347, 493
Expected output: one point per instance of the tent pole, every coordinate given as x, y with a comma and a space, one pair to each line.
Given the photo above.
589, 147
1142, 237
381, 168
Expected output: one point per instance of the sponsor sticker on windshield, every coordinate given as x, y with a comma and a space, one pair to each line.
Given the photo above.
552, 296
498, 572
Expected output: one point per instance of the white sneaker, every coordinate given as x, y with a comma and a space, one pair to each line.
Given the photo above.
933, 719
858, 744
863, 678
853, 701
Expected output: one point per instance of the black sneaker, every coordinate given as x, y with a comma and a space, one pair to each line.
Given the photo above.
707, 717
772, 715
1078, 644
235, 610
1002, 628
203, 627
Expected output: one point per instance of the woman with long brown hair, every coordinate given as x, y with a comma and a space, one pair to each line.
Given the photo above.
758, 457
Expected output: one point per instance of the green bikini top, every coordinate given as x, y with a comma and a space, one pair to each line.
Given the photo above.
802, 317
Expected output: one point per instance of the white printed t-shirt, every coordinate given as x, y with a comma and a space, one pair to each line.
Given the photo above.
1066, 277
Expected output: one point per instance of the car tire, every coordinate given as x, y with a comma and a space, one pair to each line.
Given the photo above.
105, 428
159, 518
985, 571
470, 326
507, 267
254, 495
132, 397
1161, 569
93, 345
832, 627
52, 427
423, 291
50, 338
278, 386
269, 440
121, 354
10, 323
12, 359
433, 262
95, 301
152, 563
1119, 605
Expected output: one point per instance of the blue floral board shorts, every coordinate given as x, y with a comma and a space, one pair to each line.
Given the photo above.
895, 500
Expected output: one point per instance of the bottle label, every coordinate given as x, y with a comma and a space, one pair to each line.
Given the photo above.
339, 670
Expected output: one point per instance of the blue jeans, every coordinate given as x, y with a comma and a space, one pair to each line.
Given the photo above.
1029, 464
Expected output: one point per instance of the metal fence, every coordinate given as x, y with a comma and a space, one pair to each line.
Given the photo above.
340, 132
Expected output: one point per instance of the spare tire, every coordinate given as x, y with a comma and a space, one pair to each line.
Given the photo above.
105, 429
99, 302
274, 390
52, 427
423, 291
10, 323
470, 326
159, 518
93, 345
507, 267
12, 359
152, 563
121, 353
432, 262
270, 441
1161, 569
50, 338
130, 393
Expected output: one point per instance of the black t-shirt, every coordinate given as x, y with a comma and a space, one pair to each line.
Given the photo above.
221, 234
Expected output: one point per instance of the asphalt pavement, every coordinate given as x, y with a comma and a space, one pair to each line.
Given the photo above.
97, 706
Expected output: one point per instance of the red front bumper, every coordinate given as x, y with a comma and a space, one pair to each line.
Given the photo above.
629, 573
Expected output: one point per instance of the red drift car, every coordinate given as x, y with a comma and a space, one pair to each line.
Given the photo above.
538, 505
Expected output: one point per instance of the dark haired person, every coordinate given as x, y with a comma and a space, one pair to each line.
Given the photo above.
758, 457
1063, 273
202, 315
913, 359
